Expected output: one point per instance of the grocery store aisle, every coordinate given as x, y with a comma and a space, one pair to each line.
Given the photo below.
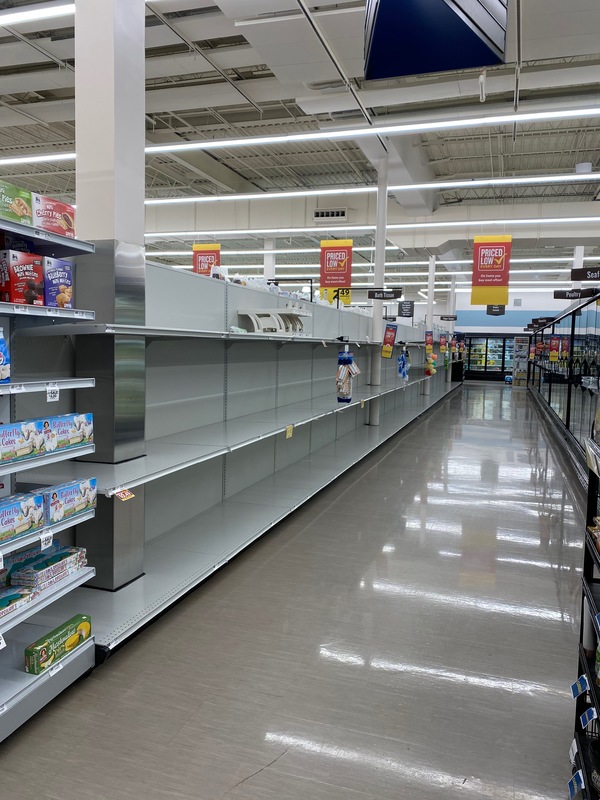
412, 629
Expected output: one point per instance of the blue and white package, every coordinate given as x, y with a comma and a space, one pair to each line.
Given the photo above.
58, 283
68, 430
4, 359
69, 499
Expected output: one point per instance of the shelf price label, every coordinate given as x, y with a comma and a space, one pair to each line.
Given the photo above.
1, 561
580, 686
46, 540
56, 668
2, 642
52, 393
587, 717
576, 784
289, 431
362, 403
124, 494
3, 709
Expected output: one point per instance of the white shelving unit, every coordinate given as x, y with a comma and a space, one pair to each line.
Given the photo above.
22, 695
241, 429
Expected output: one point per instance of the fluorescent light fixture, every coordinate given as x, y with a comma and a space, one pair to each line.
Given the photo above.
575, 177
51, 157
398, 226
36, 13
380, 130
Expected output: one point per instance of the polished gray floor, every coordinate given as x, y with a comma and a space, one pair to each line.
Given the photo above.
411, 632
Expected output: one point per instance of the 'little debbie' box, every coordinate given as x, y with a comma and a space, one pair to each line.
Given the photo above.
69, 500
21, 514
19, 440
68, 430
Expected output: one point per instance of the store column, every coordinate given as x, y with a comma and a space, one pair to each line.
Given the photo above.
379, 279
110, 133
451, 325
579, 252
430, 298
269, 259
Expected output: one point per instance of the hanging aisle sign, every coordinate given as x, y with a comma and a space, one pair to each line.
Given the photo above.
429, 341
491, 270
206, 258
336, 263
389, 340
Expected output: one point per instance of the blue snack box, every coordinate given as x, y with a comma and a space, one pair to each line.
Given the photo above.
67, 431
20, 515
58, 283
68, 500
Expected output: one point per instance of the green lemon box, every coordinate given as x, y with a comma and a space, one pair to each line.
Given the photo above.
57, 644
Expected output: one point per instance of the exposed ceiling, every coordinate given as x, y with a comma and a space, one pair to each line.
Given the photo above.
231, 68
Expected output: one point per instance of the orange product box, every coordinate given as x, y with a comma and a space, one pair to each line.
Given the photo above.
21, 278
52, 215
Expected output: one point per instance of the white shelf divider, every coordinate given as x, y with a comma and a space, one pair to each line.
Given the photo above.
10, 468
60, 589
12, 545
31, 385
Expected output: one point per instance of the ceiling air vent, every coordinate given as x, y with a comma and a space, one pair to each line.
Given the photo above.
329, 214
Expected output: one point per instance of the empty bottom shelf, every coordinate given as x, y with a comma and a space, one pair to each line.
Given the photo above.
180, 559
23, 695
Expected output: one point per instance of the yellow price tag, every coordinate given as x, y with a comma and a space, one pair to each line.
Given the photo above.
362, 403
124, 495
289, 431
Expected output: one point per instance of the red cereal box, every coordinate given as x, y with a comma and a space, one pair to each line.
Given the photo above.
22, 278
52, 215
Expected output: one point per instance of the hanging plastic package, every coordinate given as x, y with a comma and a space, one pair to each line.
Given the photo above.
404, 365
4, 359
347, 370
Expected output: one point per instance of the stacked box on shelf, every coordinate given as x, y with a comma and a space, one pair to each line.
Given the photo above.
48, 569
20, 515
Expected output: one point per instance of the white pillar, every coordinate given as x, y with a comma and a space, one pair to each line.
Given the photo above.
430, 298
379, 279
583, 167
110, 121
451, 312
269, 259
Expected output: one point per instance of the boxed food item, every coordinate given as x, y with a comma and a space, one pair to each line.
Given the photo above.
68, 430
21, 514
58, 283
4, 359
47, 566
69, 500
13, 597
14, 561
15, 203
53, 216
58, 643
19, 440
22, 276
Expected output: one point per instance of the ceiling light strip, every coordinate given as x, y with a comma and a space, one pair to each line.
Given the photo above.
435, 185
399, 226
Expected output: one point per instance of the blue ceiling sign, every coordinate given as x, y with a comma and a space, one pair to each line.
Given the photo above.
413, 37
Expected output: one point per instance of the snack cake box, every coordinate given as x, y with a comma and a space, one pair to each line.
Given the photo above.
58, 643
69, 499
21, 514
58, 283
15, 203
52, 215
21, 440
22, 276
13, 597
48, 565
68, 430
14, 561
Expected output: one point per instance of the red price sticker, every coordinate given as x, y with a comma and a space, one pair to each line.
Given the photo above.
124, 494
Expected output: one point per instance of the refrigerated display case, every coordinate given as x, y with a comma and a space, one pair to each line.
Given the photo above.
489, 357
